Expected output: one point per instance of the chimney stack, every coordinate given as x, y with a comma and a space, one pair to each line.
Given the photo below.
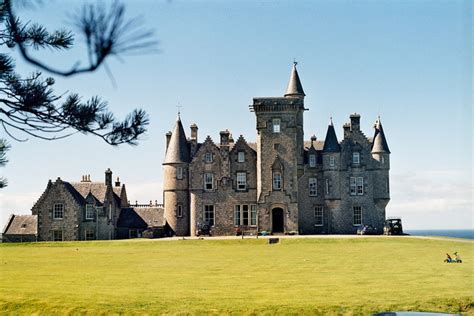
168, 138
194, 132
355, 122
108, 177
117, 182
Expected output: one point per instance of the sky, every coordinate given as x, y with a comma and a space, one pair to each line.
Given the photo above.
408, 61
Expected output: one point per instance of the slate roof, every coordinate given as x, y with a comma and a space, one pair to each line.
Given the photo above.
331, 145
98, 189
294, 85
142, 217
178, 147
22, 225
379, 144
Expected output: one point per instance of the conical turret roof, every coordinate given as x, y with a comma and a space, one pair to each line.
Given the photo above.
178, 148
379, 144
331, 144
294, 89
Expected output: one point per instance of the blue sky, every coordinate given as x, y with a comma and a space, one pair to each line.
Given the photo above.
407, 61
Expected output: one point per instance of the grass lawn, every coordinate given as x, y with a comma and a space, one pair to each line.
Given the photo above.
297, 276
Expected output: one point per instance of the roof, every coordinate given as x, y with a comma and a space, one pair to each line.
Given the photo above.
318, 145
142, 217
379, 144
331, 145
178, 147
22, 225
98, 189
294, 88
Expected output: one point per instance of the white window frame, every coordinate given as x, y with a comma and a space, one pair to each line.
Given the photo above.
207, 211
245, 215
357, 215
208, 157
89, 212
353, 186
356, 158
332, 161
58, 208
360, 186
179, 211
241, 181
241, 156
312, 160
318, 216
313, 186
276, 125
208, 181
53, 237
276, 181
179, 173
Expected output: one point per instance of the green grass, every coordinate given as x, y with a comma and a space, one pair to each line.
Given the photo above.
297, 276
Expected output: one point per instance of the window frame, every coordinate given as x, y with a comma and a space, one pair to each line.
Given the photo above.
359, 216
327, 186
179, 173
89, 207
208, 157
209, 209
245, 215
241, 156
241, 176
312, 160
356, 158
280, 181
276, 126
90, 231
360, 185
353, 186
53, 235
206, 183
319, 215
179, 210
313, 186
55, 210
332, 161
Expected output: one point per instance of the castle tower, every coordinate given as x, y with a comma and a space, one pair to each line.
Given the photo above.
381, 155
280, 156
176, 182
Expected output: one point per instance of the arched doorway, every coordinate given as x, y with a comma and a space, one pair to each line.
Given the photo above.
277, 220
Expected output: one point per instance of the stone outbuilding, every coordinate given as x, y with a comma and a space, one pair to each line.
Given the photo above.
20, 228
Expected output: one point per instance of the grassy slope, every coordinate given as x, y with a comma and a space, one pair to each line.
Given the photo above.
237, 276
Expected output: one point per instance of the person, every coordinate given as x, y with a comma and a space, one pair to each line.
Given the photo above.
448, 258
458, 258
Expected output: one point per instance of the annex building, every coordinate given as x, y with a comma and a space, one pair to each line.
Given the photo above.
282, 183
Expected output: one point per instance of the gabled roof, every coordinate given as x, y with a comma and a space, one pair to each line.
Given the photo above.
178, 147
98, 189
331, 144
379, 144
141, 217
294, 89
22, 225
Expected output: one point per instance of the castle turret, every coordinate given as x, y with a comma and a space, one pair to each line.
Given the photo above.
381, 155
176, 182
331, 164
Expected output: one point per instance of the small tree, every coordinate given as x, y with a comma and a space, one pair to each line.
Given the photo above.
29, 106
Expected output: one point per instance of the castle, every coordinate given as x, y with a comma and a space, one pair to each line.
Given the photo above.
280, 184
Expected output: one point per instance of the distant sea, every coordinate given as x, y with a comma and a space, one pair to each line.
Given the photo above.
456, 233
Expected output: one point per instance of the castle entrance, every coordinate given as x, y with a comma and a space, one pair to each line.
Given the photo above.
277, 220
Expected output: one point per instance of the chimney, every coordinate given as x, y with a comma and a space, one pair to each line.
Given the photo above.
347, 129
168, 138
225, 137
117, 182
313, 140
108, 177
194, 132
355, 122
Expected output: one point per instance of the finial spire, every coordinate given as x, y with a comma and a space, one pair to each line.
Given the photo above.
294, 89
330, 121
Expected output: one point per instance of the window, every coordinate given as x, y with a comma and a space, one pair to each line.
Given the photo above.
58, 211
179, 173
110, 211
245, 215
312, 160
353, 185
89, 211
180, 210
276, 181
332, 161
241, 156
356, 158
57, 235
360, 186
208, 181
318, 216
209, 216
313, 187
382, 160
276, 125
357, 215
387, 185
208, 158
241, 181
327, 186
89, 235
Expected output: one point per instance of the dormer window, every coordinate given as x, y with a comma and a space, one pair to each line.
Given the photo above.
276, 180
208, 158
208, 181
276, 125
356, 158
312, 160
89, 211
241, 181
241, 156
